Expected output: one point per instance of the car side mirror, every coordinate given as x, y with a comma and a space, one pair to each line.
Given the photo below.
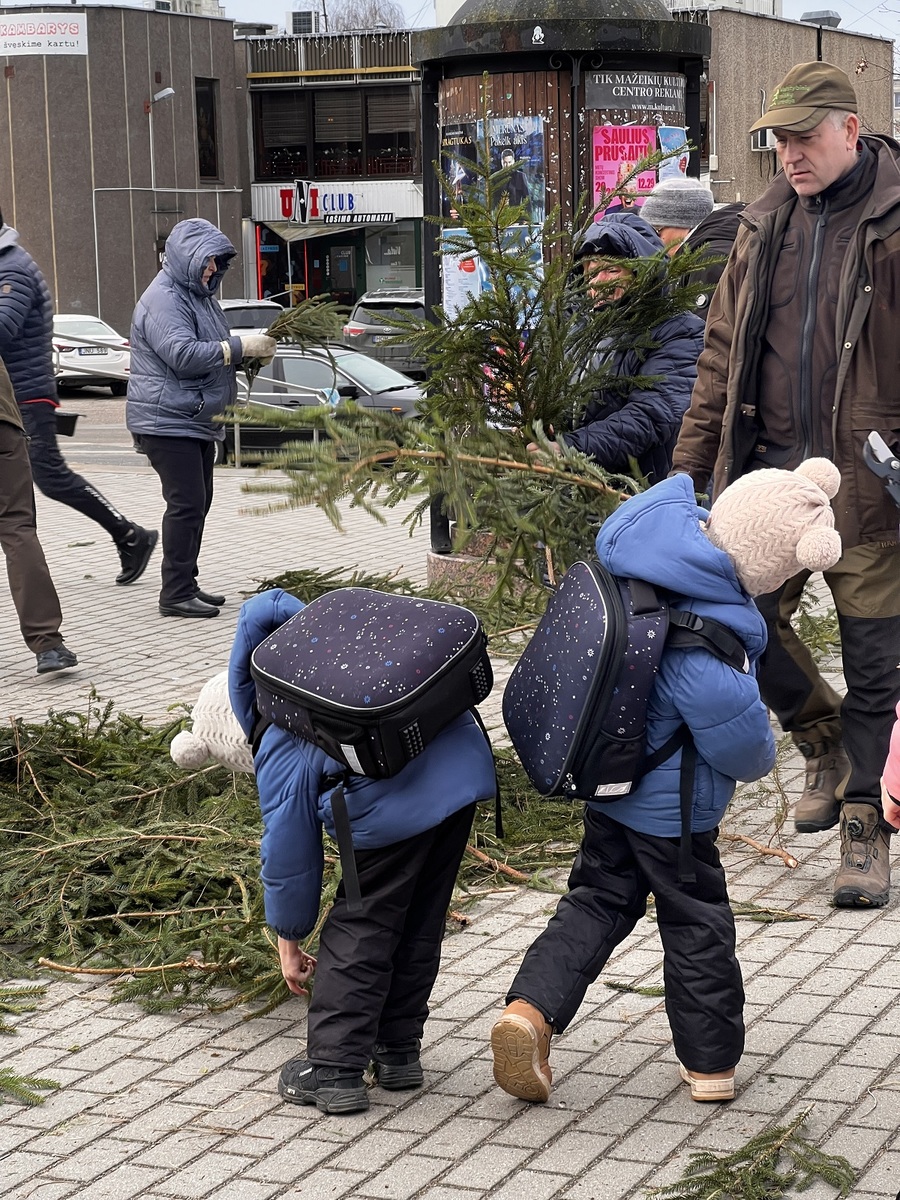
348, 391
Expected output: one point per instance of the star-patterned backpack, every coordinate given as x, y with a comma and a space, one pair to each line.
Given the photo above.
576, 704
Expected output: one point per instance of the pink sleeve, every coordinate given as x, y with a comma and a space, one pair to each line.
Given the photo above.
892, 766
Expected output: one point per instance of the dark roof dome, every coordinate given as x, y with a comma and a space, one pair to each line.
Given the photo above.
492, 12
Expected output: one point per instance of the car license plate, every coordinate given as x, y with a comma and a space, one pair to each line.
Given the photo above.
92, 350
381, 337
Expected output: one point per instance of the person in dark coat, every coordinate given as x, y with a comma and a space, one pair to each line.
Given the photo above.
30, 585
183, 376
708, 564
641, 424
715, 235
26, 347
377, 963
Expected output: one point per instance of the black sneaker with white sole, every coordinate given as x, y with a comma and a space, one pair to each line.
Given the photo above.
396, 1066
331, 1089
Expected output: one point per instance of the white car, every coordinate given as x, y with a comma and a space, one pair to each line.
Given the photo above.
250, 316
89, 353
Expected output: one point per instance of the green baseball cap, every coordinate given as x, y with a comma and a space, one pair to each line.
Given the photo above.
805, 96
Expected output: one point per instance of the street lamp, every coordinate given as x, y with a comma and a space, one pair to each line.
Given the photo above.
148, 109
827, 17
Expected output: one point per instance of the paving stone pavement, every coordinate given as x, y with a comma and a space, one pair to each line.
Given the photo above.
185, 1107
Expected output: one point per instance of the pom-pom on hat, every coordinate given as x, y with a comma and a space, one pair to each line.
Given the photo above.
677, 204
216, 733
773, 524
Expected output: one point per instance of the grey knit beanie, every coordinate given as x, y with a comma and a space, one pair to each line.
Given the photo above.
677, 204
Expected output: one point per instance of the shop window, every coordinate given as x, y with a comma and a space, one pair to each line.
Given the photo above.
338, 133
207, 127
282, 132
392, 124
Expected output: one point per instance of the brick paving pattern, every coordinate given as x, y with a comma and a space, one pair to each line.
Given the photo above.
184, 1107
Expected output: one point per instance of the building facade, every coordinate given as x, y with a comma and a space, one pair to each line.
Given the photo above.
336, 164
117, 123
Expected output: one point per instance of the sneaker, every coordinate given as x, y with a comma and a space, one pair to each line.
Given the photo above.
331, 1089
864, 878
60, 658
704, 1088
134, 553
819, 807
396, 1066
520, 1041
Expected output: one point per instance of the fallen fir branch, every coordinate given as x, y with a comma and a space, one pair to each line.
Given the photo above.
188, 964
638, 990
760, 847
496, 865
18, 1000
760, 912
24, 1089
767, 1167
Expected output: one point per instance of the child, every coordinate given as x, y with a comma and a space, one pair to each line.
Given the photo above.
753, 539
890, 782
376, 965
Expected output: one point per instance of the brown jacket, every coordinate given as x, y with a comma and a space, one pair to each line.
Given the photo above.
9, 409
719, 433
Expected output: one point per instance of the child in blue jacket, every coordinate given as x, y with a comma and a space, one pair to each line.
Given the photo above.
760, 531
376, 964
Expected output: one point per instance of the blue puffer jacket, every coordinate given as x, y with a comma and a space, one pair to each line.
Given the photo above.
644, 423
657, 536
453, 771
179, 381
26, 321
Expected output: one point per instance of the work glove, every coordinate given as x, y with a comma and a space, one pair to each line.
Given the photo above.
258, 345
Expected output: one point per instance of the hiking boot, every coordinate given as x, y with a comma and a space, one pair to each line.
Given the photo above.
60, 658
396, 1066
819, 807
330, 1089
134, 553
520, 1041
864, 878
705, 1088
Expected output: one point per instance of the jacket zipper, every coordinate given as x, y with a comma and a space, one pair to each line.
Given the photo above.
806, 338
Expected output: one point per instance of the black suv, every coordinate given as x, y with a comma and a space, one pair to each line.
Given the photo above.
370, 331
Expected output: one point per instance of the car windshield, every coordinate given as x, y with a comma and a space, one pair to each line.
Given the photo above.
382, 314
372, 375
88, 327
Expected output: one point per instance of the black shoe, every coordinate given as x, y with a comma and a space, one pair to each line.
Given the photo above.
195, 607
134, 553
210, 598
396, 1066
60, 658
331, 1089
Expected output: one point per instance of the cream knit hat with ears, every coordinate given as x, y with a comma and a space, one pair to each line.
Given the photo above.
773, 524
216, 733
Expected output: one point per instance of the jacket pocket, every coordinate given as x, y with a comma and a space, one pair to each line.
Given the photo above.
786, 275
876, 512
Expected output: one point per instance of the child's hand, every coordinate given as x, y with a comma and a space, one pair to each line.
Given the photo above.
890, 807
297, 967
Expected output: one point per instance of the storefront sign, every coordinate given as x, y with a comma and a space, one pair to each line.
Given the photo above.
634, 89
358, 218
308, 202
46, 34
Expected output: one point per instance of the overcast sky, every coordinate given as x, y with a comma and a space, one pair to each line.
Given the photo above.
418, 12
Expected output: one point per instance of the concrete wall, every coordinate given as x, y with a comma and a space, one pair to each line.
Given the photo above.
73, 126
751, 54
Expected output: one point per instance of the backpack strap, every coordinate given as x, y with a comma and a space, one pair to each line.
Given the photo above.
687, 629
498, 808
344, 836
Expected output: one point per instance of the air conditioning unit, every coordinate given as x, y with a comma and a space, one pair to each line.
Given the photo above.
762, 140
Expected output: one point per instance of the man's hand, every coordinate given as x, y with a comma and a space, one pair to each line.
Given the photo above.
890, 807
297, 967
534, 448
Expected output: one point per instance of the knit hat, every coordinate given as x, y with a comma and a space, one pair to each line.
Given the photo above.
805, 96
216, 733
677, 204
773, 524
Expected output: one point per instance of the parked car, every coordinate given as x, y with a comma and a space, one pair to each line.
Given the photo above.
250, 316
89, 353
326, 375
370, 331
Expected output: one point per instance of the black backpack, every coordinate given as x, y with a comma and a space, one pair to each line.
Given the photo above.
575, 706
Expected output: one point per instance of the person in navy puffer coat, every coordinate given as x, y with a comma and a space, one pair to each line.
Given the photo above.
377, 965
641, 424
183, 364
26, 348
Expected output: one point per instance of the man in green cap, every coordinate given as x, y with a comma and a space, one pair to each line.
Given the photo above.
801, 359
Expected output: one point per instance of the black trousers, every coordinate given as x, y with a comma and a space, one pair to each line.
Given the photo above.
615, 871
377, 966
185, 469
55, 478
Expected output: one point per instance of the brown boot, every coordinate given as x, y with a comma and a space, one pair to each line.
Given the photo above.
827, 768
864, 878
520, 1041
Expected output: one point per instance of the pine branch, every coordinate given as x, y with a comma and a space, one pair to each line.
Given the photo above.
24, 1089
17, 1000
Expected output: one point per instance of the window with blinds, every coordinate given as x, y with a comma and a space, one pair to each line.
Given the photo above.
391, 110
338, 116
283, 119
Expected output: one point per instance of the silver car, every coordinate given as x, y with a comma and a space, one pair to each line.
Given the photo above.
89, 353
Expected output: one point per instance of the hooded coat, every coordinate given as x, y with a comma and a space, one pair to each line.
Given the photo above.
26, 322
658, 536
451, 772
179, 381
642, 424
